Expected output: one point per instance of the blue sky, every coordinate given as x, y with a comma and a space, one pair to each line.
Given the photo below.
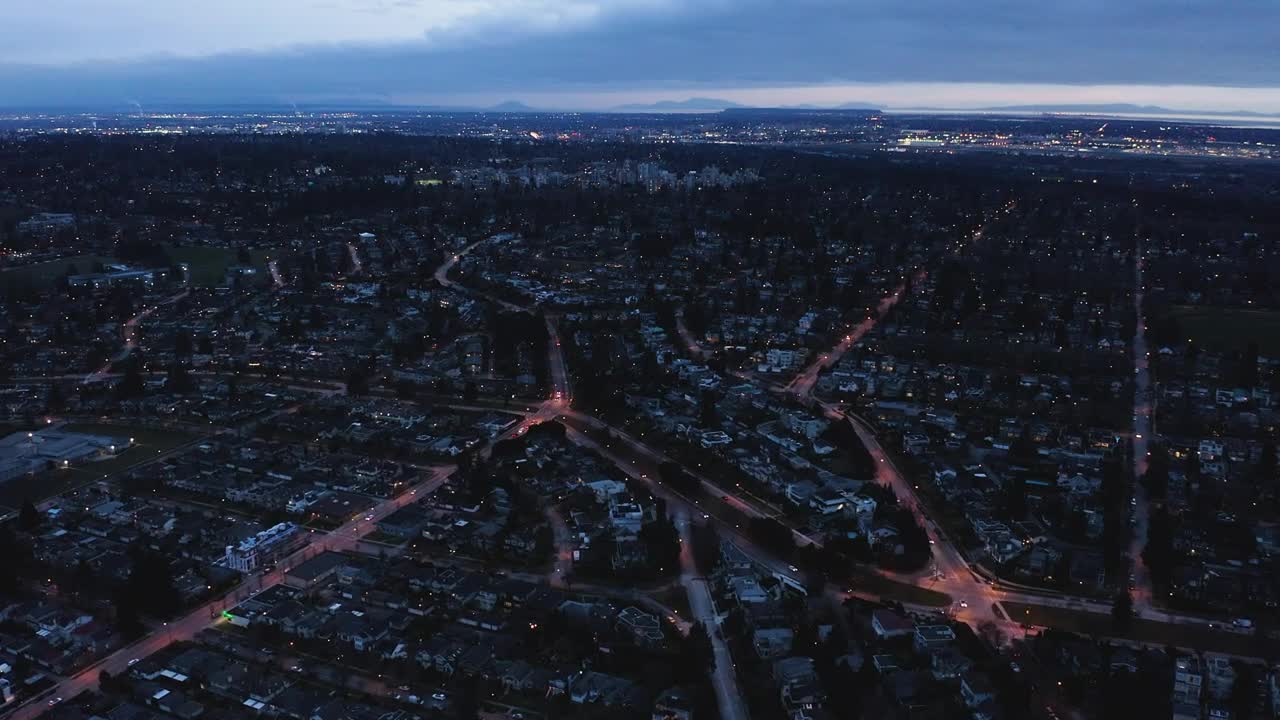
593, 54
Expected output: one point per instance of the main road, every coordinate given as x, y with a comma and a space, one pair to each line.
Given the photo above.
345, 537
802, 384
1143, 435
723, 677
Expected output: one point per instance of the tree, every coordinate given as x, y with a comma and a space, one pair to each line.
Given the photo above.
28, 517
179, 380
991, 634
131, 385
1015, 497
467, 706
1122, 612
843, 435
1244, 691
357, 383
182, 344
151, 584
126, 612
708, 415
696, 659
661, 541
673, 475
706, 548
772, 534
1023, 448
1267, 466
1158, 553
54, 399
1156, 479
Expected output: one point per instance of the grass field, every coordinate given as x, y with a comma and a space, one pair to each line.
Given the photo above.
677, 599
148, 443
1229, 328
209, 264
870, 582
1198, 635
45, 273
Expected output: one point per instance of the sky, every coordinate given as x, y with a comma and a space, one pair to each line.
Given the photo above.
1207, 55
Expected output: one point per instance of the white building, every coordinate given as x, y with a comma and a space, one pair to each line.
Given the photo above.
44, 222
265, 547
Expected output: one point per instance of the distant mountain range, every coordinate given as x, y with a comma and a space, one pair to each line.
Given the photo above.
693, 104
511, 106
1112, 109
706, 104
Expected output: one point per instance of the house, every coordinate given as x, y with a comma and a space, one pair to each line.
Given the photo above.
976, 689
948, 663
747, 591
906, 688
770, 643
592, 687
643, 628
1124, 660
915, 443
927, 638
605, 490
827, 501
673, 704
889, 624
806, 426
1187, 681
797, 680
1221, 675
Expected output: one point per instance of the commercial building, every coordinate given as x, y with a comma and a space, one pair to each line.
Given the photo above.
30, 452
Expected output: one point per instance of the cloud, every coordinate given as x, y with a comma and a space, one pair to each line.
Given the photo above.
435, 50
54, 32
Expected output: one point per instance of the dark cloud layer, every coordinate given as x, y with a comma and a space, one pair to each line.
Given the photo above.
742, 44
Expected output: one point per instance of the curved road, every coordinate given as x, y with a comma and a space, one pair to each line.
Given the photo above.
129, 333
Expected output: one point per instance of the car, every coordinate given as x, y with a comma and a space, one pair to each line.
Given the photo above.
964, 603
55, 701
793, 568
1242, 623
1015, 667
438, 696
133, 662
